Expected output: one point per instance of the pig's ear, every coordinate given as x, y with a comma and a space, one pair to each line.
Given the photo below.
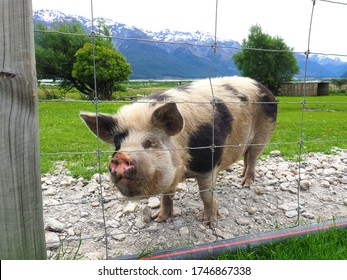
168, 118
106, 125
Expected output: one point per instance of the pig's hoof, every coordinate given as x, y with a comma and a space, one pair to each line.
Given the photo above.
160, 217
211, 220
246, 182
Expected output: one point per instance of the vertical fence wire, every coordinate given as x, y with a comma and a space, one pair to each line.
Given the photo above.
302, 128
213, 104
215, 48
96, 104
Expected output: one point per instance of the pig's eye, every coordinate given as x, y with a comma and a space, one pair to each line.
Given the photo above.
151, 143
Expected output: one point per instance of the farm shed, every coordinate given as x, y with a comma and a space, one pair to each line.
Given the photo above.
313, 88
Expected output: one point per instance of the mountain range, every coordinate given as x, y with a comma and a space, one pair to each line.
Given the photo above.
183, 55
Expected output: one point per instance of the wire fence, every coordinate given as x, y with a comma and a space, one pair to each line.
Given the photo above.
113, 232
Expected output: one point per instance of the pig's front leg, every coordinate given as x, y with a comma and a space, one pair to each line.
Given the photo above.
166, 208
211, 213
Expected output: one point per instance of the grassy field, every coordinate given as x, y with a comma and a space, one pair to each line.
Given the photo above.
329, 245
63, 135
322, 125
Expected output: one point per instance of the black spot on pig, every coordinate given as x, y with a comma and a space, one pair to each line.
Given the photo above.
243, 98
184, 88
268, 102
101, 125
157, 97
204, 157
118, 138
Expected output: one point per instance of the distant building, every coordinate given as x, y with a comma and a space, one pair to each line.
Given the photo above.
297, 88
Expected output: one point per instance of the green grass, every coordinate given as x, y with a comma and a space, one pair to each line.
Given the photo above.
329, 245
324, 125
63, 134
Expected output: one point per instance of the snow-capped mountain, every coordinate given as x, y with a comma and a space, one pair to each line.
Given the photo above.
159, 55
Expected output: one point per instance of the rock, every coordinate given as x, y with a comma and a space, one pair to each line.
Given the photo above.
84, 214
259, 190
182, 187
95, 203
275, 153
327, 199
139, 224
130, 208
287, 206
65, 183
184, 231
71, 232
118, 235
153, 202
251, 210
146, 214
324, 184
177, 211
293, 190
94, 256
305, 185
224, 212
308, 215
52, 240
92, 187
243, 221
112, 223
50, 191
52, 224
291, 213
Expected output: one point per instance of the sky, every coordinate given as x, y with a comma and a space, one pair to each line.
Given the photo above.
288, 19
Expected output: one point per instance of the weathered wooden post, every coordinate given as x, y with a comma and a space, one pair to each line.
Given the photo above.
21, 215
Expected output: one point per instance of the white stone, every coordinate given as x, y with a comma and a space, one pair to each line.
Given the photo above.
275, 153
243, 221
184, 231
130, 208
287, 206
308, 215
52, 224
305, 185
291, 213
118, 235
153, 202
52, 240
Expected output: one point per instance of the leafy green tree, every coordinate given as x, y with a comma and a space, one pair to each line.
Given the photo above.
64, 51
339, 82
110, 66
55, 52
271, 68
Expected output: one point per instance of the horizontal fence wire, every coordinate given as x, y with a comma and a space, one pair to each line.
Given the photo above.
215, 187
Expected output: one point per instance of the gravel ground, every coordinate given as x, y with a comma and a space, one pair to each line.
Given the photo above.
77, 221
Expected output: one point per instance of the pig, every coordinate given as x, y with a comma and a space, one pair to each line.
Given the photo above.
192, 131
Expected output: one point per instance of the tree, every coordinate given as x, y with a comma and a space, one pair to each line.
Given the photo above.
55, 52
64, 52
271, 68
111, 67
339, 82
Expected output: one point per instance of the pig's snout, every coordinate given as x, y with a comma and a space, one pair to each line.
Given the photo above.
121, 166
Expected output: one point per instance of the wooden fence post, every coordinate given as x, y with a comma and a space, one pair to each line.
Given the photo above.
21, 215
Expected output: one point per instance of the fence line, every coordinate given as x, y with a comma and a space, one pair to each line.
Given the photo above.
215, 46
